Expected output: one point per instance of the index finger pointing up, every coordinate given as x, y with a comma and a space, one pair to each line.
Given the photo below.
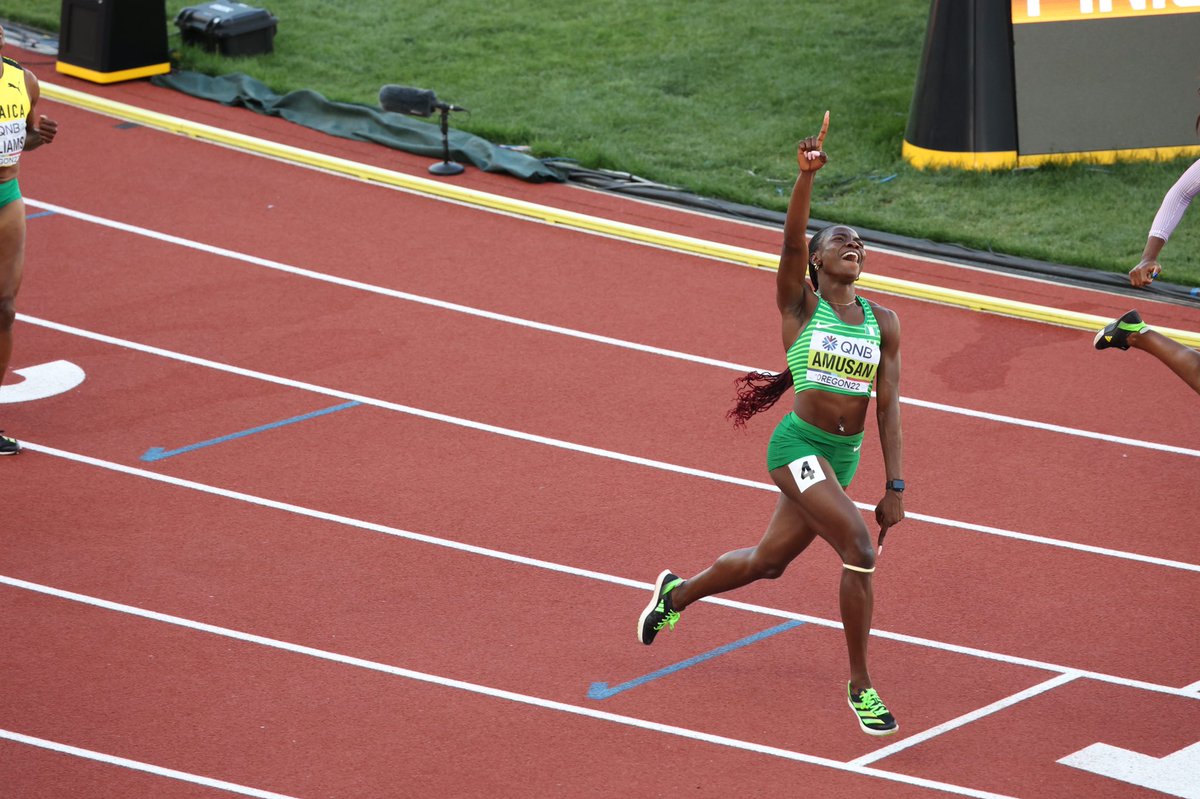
824, 130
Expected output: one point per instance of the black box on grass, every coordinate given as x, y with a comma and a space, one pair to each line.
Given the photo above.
233, 29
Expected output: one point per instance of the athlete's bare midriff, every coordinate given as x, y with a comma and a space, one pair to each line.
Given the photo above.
840, 414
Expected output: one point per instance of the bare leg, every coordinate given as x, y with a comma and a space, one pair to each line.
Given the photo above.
837, 520
1183, 361
857, 603
825, 510
12, 257
788, 534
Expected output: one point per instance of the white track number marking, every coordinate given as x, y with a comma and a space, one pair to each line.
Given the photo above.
1173, 775
41, 381
807, 471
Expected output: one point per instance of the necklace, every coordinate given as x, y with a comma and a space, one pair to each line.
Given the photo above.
839, 304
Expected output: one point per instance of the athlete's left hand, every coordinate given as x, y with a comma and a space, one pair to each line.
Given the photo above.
46, 129
889, 511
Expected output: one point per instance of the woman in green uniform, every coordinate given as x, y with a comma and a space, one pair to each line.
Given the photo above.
838, 346
19, 133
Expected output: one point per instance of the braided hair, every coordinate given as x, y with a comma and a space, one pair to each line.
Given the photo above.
758, 391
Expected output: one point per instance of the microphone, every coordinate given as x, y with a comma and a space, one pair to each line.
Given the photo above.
414, 102
422, 103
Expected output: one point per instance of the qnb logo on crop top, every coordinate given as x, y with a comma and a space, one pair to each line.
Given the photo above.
843, 362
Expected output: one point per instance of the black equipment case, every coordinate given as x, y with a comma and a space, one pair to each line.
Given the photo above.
233, 29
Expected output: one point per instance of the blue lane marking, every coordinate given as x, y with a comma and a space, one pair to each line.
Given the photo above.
39, 213
158, 453
600, 690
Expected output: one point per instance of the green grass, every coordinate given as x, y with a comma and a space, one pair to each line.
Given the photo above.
709, 96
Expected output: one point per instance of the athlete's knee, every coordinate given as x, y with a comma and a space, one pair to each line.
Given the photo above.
858, 554
1191, 369
860, 569
8, 313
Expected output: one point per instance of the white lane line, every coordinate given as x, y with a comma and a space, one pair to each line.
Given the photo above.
495, 693
523, 560
965, 719
137, 765
1053, 428
384, 291
1051, 542
580, 448
565, 331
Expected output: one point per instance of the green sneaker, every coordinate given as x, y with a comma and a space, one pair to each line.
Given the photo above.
659, 613
873, 715
1116, 333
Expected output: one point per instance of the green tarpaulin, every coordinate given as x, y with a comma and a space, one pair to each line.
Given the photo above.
365, 123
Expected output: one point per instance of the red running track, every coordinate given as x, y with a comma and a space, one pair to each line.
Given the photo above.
493, 508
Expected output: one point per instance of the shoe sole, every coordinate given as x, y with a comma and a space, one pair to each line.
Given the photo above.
658, 586
868, 730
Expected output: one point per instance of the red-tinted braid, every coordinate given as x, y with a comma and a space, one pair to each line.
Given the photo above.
756, 392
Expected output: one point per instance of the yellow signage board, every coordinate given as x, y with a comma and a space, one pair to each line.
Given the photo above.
1028, 11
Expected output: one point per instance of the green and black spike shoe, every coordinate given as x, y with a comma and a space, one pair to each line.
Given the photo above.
659, 613
873, 715
1116, 333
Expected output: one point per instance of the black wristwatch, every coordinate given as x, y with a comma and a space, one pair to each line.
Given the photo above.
895, 485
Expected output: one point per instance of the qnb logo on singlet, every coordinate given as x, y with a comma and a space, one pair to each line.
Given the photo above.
12, 141
843, 362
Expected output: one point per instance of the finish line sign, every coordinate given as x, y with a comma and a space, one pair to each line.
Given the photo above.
1025, 11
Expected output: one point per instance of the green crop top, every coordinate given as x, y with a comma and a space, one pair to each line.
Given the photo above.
831, 355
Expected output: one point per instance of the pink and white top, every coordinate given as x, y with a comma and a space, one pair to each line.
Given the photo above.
1176, 202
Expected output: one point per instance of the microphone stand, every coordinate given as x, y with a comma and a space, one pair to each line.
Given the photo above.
446, 167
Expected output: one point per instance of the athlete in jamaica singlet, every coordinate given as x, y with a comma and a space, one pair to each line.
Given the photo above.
19, 133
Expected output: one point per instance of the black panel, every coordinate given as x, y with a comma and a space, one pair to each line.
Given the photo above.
1111, 84
113, 35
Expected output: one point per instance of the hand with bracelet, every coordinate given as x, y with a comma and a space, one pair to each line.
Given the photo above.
889, 511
